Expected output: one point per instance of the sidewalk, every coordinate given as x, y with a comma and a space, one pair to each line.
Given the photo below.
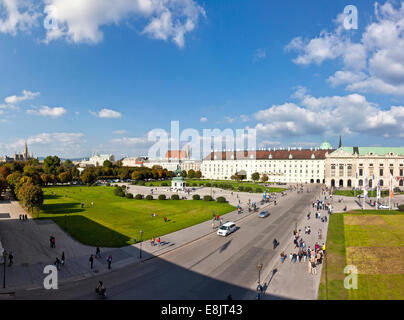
30, 276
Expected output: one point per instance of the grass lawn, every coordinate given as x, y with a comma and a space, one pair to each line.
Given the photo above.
114, 221
373, 241
352, 193
234, 184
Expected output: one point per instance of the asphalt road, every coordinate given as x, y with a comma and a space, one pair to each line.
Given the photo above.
210, 268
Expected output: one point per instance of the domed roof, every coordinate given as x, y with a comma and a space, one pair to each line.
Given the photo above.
325, 146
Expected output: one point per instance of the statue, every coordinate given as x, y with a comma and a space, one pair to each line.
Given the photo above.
178, 171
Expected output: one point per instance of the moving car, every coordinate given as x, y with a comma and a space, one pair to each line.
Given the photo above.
226, 229
263, 214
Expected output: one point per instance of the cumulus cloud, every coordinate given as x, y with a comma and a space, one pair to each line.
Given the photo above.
46, 111
26, 95
330, 116
107, 113
81, 21
17, 15
203, 119
259, 54
375, 63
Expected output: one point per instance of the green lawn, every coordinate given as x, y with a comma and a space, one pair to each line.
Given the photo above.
115, 222
220, 183
352, 193
373, 241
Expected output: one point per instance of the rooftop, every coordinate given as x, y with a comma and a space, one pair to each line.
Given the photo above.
380, 151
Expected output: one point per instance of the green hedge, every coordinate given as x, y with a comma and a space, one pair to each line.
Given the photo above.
139, 196
129, 196
401, 207
207, 198
162, 197
175, 197
149, 197
196, 197
221, 200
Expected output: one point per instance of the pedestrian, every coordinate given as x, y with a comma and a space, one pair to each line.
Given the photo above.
10, 258
109, 260
82, 205
158, 241
213, 225
97, 252
63, 258
314, 269
57, 263
217, 217
152, 241
283, 257
165, 219
20, 218
91, 261
51, 241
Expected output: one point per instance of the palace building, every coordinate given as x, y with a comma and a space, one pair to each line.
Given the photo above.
344, 164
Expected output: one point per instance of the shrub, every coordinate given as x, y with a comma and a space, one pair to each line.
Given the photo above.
164, 184
196, 197
149, 197
142, 183
401, 207
208, 184
247, 189
162, 197
139, 196
129, 196
108, 184
397, 189
240, 188
259, 190
221, 200
194, 184
207, 198
119, 192
175, 197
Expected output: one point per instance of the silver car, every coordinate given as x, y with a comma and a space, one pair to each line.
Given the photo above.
263, 214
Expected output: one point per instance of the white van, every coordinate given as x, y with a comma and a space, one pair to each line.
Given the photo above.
226, 229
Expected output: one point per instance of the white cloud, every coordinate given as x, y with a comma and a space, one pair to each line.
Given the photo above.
26, 95
373, 64
259, 54
351, 114
203, 119
17, 15
107, 113
81, 21
119, 132
229, 119
46, 111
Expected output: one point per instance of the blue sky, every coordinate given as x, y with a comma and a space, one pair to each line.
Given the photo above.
284, 68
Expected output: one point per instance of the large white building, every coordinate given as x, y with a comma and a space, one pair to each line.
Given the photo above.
282, 165
97, 160
342, 166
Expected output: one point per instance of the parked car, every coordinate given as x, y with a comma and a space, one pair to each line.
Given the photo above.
263, 214
361, 195
226, 229
384, 206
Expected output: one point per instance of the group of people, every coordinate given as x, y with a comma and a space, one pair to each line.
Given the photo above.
60, 262
155, 242
98, 255
24, 217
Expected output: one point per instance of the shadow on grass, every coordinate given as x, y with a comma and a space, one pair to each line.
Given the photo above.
62, 208
51, 196
89, 232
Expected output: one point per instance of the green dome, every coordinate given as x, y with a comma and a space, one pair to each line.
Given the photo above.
325, 146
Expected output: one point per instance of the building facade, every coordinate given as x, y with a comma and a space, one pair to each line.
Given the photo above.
285, 166
97, 160
366, 163
24, 156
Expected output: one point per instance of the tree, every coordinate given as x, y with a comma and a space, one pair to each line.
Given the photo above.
88, 177
124, 174
107, 164
68, 164
3, 185
4, 171
264, 178
191, 174
198, 174
255, 176
138, 175
65, 177
12, 180
50, 164
183, 174
31, 196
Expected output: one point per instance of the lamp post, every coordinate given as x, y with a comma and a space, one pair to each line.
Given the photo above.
140, 251
4, 261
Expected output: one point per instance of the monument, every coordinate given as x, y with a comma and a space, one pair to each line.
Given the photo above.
178, 182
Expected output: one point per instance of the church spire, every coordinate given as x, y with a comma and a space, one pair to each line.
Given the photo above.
340, 142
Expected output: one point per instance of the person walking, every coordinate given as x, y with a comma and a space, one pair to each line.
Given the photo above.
109, 260
91, 261
10, 258
63, 258
57, 263
314, 268
98, 252
158, 242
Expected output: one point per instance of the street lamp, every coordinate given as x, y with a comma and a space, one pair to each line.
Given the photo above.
140, 251
4, 261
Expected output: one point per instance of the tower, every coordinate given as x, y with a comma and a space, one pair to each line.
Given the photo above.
25, 153
340, 142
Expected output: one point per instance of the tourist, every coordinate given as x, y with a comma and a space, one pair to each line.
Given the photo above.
283, 257
57, 263
91, 261
290, 257
165, 219
98, 252
10, 258
109, 260
152, 241
63, 258
158, 242
313, 267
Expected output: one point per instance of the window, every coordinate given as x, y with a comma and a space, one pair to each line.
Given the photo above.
333, 170
401, 172
361, 172
341, 170
349, 170
381, 173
